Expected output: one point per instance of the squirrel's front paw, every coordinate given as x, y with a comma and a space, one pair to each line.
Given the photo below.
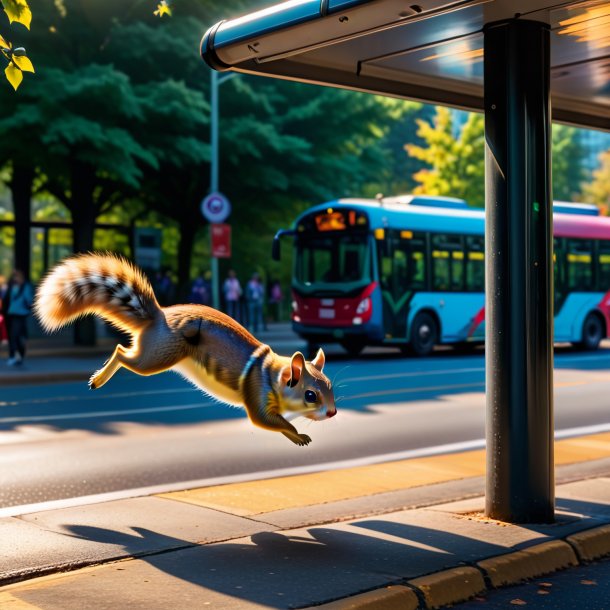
92, 382
303, 440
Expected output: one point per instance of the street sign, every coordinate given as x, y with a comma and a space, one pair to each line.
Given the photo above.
221, 240
215, 207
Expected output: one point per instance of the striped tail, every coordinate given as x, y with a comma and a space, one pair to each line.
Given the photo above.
103, 284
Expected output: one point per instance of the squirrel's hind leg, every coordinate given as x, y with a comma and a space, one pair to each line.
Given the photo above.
112, 365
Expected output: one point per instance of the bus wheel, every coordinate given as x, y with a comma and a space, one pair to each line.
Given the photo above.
353, 346
424, 334
592, 332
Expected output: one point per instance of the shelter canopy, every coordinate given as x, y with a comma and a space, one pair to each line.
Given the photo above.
430, 51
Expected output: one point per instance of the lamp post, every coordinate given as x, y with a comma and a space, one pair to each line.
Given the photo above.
215, 81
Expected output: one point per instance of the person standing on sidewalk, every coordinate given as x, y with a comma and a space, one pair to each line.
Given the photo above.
255, 293
17, 304
232, 291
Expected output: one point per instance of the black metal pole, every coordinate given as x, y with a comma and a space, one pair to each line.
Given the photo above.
519, 306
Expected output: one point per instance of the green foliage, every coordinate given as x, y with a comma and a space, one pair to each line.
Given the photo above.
117, 121
567, 156
456, 163
598, 190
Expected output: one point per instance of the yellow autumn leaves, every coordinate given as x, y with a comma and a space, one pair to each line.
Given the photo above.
18, 62
163, 8
18, 11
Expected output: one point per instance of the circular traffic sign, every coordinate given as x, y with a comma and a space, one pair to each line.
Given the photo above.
215, 207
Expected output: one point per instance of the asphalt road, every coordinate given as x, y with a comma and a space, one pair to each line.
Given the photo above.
62, 440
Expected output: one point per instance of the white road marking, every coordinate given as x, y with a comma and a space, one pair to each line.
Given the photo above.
412, 374
93, 396
94, 414
14, 511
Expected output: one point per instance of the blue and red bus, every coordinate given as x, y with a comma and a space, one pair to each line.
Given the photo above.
409, 271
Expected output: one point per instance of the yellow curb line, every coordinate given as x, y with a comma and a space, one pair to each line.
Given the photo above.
269, 495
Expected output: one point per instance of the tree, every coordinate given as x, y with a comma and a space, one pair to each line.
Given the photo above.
456, 163
598, 190
567, 156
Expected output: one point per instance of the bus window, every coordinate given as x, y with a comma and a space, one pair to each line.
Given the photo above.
341, 260
413, 248
603, 266
475, 263
447, 262
402, 261
580, 269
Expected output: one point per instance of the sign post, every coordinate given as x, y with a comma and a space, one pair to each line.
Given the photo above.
216, 209
221, 240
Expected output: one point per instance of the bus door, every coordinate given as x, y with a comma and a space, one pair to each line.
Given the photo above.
402, 272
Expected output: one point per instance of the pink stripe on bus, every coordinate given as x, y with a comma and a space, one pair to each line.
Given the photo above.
581, 227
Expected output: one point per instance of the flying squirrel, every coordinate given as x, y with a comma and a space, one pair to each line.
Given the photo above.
204, 345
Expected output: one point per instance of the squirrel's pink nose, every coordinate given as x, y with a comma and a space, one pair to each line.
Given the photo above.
331, 413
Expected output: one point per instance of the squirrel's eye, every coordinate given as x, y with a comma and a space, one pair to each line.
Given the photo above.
310, 396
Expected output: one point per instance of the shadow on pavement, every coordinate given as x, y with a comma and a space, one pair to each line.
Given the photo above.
281, 570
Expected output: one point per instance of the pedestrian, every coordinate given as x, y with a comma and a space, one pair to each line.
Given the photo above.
3, 330
165, 288
17, 305
232, 293
275, 300
200, 290
255, 293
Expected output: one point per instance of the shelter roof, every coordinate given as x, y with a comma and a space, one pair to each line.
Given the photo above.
430, 51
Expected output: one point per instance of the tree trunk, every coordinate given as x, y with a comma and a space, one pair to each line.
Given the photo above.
84, 213
21, 189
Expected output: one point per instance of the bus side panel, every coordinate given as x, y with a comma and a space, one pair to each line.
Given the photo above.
456, 311
569, 319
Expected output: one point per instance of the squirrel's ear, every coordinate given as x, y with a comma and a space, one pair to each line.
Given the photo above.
319, 360
297, 364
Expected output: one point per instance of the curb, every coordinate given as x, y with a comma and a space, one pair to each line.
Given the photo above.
591, 544
449, 586
388, 598
457, 585
535, 561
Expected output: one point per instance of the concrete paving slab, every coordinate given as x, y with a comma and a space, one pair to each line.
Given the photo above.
23, 550
299, 567
170, 520
271, 570
594, 491
101, 532
344, 510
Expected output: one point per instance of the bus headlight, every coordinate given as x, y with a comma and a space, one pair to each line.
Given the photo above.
363, 306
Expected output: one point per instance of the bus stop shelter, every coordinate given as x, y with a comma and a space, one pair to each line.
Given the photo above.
522, 63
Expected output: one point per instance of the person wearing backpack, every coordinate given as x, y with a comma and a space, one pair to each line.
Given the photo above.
17, 306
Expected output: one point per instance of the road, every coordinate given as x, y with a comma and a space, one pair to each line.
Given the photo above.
62, 440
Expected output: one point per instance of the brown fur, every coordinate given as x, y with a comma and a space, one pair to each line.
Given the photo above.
204, 345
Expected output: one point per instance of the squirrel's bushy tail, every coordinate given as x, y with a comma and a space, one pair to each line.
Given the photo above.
103, 284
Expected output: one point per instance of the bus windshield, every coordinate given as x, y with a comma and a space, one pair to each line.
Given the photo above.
338, 262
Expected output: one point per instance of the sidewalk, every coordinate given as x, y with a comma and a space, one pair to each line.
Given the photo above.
406, 535
55, 358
